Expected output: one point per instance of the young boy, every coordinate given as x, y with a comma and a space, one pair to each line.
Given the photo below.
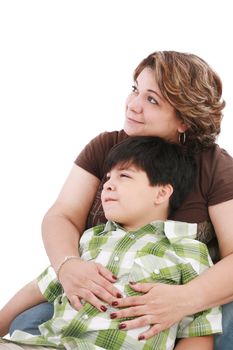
147, 178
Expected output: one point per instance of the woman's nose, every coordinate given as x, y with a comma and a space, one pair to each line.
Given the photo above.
134, 103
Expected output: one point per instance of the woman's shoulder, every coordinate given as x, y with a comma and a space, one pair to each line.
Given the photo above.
106, 140
110, 137
102, 143
214, 159
215, 152
94, 153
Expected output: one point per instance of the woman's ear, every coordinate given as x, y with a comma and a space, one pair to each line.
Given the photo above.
182, 127
163, 193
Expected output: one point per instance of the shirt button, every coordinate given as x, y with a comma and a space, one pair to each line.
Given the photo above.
85, 317
116, 258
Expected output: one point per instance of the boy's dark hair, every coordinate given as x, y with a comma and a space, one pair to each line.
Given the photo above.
164, 163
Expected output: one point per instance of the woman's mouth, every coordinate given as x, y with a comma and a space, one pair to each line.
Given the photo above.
131, 120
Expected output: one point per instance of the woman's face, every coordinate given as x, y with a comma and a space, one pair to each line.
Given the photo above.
148, 113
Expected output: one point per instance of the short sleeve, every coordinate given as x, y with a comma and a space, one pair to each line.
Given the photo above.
216, 175
49, 285
203, 323
93, 155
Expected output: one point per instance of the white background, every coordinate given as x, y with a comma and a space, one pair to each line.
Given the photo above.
65, 71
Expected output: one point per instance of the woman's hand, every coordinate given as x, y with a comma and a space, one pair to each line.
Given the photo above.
89, 281
161, 306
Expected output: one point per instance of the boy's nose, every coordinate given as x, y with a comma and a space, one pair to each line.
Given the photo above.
109, 186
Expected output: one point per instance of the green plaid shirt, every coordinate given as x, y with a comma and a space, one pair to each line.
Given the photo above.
165, 252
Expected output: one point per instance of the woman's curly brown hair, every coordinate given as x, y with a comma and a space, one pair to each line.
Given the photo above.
192, 87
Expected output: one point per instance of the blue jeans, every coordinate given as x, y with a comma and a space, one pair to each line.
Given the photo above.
30, 319
224, 341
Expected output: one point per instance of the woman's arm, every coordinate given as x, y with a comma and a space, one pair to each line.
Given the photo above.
61, 230
217, 283
25, 298
65, 221
163, 305
196, 343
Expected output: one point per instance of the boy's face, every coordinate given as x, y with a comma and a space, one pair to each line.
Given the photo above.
128, 198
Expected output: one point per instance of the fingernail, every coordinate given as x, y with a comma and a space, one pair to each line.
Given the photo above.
113, 315
119, 295
141, 337
132, 282
114, 277
103, 308
115, 303
122, 326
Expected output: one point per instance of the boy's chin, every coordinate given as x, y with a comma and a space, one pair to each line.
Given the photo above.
109, 217
112, 218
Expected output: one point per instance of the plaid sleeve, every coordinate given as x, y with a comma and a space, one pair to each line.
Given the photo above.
203, 323
196, 260
49, 285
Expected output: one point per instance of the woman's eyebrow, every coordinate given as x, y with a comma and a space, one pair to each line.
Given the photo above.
156, 93
153, 91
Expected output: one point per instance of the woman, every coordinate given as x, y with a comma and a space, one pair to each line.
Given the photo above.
176, 96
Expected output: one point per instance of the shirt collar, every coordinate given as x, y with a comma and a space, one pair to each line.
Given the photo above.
111, 226
177, 230
157, 226
173, 230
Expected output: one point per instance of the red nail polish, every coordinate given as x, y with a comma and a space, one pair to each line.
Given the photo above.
103, 308
114, 277
115, 303
132, 282
141, 337
122, 326
113, 315
119, 295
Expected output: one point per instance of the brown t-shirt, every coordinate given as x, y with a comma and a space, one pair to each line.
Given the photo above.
214, 184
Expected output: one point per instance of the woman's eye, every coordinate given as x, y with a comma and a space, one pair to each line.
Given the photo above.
152, 100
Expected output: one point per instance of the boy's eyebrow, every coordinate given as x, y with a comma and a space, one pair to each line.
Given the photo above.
128, 168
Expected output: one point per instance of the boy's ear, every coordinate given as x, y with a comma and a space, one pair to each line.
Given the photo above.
163, 193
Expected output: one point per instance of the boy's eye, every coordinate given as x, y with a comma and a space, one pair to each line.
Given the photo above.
124, 175
152, 100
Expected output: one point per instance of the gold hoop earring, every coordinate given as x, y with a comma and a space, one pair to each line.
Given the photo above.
182, 138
